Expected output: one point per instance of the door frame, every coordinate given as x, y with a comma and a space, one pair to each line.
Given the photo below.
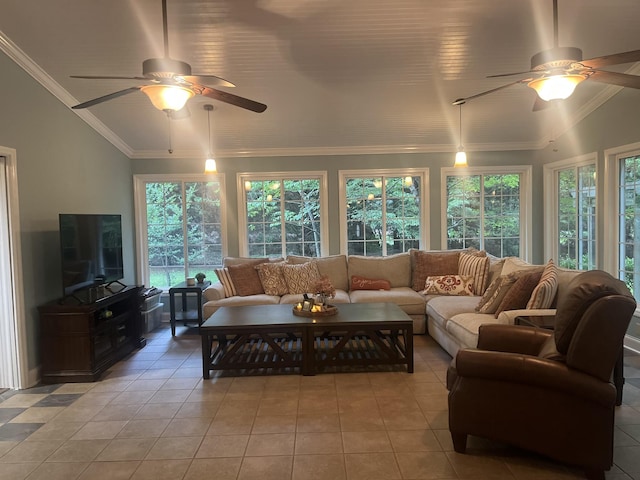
14, 371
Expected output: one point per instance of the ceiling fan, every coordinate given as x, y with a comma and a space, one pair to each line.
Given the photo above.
170, 83
555, 73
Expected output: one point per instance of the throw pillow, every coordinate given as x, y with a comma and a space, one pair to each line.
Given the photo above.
227, 283
449, 285
272, 279
496, 292
301, 278
519, 294
544, 293
362, 283
476, 266
245, 279
429, 264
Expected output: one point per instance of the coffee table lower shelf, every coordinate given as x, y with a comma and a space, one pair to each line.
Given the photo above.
309, 347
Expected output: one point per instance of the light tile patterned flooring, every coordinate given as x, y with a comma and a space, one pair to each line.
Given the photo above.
154, 417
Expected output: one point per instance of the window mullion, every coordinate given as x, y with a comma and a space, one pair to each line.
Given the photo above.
185, 247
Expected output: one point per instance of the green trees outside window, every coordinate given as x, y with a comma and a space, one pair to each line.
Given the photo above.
629, 223
283, 217
383, 214
576, 190
184, 230
483, 211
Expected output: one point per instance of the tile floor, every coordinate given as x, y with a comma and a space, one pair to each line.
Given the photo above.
154, 417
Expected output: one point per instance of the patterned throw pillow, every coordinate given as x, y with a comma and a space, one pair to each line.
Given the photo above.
448, 285
544, 293
476, 266
301, 278
496, 292
519, 294
227, 283
272, 279
363, 283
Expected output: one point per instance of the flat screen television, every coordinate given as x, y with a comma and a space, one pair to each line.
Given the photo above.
91, 250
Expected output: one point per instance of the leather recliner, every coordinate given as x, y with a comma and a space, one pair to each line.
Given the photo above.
547, 391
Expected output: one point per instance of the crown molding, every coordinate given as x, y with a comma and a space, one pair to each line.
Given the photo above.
33, 69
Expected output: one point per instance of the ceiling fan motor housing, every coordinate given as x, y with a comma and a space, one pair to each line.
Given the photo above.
558, 57
165, 68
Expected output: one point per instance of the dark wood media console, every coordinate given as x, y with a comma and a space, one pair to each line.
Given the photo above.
79, 341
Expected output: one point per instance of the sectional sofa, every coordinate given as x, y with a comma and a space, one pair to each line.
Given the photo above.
451, 319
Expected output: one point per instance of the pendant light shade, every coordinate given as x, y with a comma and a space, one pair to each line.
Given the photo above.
210, 163
461, 156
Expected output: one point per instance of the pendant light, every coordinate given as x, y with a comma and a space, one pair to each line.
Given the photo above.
461, 156
210, 162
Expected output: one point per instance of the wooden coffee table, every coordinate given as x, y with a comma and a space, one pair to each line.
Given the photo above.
271, 336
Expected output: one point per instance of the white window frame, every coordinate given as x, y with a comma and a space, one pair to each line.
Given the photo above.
552, 202
140, 214
525, 199
423, 173
611, 202
243, 177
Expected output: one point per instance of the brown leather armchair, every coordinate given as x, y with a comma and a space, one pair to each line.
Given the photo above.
547, 391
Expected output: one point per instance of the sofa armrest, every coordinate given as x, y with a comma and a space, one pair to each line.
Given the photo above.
508, 317
509, 338
215, 291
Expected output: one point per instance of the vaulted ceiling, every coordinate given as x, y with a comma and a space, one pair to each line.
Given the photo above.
338, 76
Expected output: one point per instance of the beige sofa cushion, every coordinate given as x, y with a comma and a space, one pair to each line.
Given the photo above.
333, 266
442, 308
464, 327
410, 301
395, 268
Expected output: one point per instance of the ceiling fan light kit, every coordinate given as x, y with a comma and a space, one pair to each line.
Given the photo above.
556, 87
171, 83
167, 97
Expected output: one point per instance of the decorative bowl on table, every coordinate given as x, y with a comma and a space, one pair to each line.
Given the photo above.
316, 311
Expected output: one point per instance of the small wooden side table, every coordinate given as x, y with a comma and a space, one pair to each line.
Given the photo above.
548, 322
185, 315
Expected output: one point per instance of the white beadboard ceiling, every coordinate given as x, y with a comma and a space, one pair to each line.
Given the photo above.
338, 76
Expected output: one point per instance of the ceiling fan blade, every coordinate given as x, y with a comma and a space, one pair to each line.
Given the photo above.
614, 59
95, 101
208, 80
614, 78
509, 74
460, 101
233, 99
107, 77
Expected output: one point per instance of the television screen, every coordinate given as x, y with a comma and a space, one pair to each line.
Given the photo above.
91, 250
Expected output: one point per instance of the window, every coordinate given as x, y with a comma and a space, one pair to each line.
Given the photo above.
180, 225
487, 209
284, 214
571, 238
629, 222
382, 211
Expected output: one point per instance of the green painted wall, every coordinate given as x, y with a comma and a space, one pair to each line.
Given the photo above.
64, 166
